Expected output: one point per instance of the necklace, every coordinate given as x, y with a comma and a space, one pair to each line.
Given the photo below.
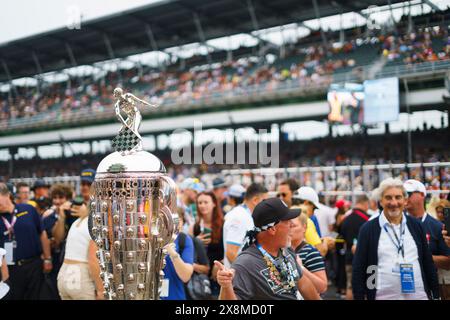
283, 277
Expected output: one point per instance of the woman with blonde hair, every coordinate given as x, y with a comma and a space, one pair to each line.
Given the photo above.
310, 260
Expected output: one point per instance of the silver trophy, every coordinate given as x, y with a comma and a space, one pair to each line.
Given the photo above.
133, 211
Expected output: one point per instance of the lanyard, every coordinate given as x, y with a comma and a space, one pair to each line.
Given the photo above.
266, 254
398, 243
286, 273
10, 226
287, 266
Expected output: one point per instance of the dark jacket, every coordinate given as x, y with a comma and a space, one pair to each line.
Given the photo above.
367, 255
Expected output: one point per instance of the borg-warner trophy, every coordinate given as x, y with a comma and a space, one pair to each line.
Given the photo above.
133, 211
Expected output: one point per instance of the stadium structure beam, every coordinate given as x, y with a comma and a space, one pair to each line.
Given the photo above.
116, 35
6, 69
303, 25
254, 19
153, 44
251, 11
198, 25
392, 14
317, 12
36, 62
108, 46
283, 13
70, 54
431, 5
408, 111
151, 37
350, 7
8, 75
201, 34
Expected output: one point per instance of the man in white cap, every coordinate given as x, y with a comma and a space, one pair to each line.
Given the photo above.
308, 198
415, 207
235, 196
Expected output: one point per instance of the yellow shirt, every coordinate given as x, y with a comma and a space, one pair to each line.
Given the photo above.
311, 235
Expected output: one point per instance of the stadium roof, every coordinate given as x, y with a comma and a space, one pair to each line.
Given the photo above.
169, 23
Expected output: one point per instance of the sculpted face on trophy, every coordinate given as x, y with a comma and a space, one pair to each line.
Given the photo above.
133, 213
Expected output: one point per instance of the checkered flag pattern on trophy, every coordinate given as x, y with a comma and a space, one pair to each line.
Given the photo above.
128, 139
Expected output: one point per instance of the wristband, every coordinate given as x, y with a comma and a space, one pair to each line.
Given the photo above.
47, 260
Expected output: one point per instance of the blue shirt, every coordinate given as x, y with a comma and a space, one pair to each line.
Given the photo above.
176, 285
433, 233
27, 232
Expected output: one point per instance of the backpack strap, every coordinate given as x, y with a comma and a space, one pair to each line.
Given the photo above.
181, 242
362, 215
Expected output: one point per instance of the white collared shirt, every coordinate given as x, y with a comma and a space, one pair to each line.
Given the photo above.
424, 217
237, 222
388, 282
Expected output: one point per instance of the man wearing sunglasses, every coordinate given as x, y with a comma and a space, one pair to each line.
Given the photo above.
267, 268
286, 190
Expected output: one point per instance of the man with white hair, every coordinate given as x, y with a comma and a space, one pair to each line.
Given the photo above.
392, 259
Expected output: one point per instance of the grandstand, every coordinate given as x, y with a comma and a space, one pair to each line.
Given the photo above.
55, 127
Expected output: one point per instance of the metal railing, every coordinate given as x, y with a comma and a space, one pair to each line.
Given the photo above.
330, 181
248, 94
74, 181
349, 180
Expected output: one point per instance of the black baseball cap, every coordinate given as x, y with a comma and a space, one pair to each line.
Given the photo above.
272, 210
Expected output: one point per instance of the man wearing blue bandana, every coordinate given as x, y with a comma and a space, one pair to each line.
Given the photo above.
266, 269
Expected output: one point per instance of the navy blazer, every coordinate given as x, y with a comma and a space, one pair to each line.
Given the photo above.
367, 255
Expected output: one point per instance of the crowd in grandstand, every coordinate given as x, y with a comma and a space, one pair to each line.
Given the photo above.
302, 63
236, 242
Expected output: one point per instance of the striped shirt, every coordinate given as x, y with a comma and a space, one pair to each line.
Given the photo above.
311, 258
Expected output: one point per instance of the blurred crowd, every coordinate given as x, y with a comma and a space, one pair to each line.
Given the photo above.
239, 242
417, 47
428, 147
301, 64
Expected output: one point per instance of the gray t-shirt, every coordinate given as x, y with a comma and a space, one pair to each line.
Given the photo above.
252, 281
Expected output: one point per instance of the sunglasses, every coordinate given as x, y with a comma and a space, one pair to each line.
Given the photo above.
411, 193
284, 195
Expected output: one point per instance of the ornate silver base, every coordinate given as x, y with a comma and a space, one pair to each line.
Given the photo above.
133, 216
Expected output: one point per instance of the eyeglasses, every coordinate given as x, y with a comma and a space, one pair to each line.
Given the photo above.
284, 195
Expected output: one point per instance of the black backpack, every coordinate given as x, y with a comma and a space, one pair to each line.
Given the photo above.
199, 286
